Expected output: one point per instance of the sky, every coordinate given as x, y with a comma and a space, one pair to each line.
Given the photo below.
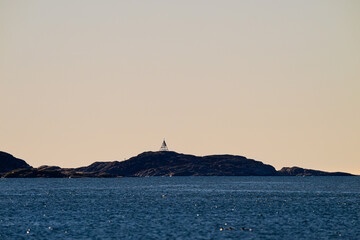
104, 80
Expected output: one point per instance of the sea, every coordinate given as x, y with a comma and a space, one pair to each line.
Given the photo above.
181, 208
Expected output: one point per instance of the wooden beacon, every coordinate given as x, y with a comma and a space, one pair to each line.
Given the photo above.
164, 146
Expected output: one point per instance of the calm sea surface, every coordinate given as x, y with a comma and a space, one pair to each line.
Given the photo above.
181, 208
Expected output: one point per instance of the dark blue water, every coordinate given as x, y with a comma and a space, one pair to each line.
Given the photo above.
181, 208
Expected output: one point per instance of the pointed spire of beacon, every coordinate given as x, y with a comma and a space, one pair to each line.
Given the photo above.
164, 146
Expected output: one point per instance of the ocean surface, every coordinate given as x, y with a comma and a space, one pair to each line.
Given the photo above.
181, 208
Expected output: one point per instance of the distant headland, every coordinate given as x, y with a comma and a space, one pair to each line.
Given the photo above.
161, 163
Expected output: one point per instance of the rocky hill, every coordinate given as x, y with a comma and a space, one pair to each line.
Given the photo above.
8, 162
176, 164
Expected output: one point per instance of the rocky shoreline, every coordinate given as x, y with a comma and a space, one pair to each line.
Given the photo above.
162, 163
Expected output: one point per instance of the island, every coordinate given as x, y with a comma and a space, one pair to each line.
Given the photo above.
160, 163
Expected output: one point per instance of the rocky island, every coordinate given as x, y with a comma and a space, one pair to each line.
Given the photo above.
161, 163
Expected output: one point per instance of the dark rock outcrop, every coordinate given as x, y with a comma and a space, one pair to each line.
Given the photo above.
163, 163
52, 172
176, 164
297, 171
46, 167
8, 162
76, 174
11, 167
34, 173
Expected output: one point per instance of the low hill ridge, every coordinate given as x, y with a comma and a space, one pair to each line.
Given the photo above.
169, 163
297, 171
8, 162
162, 163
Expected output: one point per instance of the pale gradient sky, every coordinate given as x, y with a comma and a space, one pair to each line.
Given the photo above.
277, 81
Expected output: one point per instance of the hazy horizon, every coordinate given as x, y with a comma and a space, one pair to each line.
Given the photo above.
275, 81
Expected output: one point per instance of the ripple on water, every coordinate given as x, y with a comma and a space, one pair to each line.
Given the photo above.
180, 207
